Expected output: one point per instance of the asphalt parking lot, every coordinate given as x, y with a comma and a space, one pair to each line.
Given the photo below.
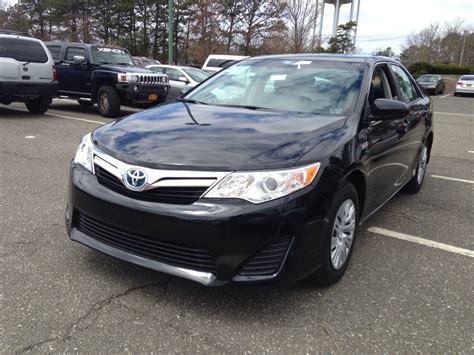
400, 293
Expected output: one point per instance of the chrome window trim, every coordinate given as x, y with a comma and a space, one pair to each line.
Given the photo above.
158, 177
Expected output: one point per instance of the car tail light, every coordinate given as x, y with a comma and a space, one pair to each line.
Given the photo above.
460, 83
55, 76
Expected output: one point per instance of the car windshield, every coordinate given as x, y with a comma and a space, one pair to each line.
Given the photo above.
118, 56
428, 78
151, 62
467, 77
298, 85
196, 74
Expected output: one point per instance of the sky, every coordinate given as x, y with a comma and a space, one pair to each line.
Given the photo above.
384, 23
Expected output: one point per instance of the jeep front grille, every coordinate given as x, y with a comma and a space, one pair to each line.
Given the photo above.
152, 79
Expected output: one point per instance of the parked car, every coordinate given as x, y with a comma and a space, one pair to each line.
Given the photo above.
181, 78
269, 185
144, 61
465, 85
106, 76
27, 72
432, 83
217, 62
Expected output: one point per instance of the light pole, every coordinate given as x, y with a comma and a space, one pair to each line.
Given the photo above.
170, 32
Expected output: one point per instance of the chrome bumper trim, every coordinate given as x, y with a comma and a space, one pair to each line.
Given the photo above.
204, 278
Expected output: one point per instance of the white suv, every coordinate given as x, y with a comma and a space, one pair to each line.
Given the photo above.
27, 72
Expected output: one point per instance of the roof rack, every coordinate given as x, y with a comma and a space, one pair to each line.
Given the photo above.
17, 33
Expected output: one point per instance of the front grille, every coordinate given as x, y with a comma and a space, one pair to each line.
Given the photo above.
178, 195
268, 261
169, 253
152, 79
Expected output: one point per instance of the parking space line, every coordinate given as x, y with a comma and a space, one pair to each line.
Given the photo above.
60, 116
422, 241
471, 151
442, 97
453, 114
452, 179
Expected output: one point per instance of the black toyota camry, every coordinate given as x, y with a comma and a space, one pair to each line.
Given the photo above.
262, 173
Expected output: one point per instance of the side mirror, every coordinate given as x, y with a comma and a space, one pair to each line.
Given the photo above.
79, 59
183, 79
384, 109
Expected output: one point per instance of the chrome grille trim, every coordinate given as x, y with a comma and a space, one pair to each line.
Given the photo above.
159, 178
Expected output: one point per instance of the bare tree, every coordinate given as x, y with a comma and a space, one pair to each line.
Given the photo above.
300, 16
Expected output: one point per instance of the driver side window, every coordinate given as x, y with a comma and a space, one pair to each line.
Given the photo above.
381, 87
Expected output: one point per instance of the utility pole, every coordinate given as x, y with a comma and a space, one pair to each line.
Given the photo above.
463, 48
170, 32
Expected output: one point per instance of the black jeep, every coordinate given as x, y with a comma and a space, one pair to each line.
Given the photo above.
107, 76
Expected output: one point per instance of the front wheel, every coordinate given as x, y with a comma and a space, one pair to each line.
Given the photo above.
414, 185
38, 106
108, 101
339, 237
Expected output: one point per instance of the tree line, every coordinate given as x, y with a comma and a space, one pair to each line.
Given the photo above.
201, 27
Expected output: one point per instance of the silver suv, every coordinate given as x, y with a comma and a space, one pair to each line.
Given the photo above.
27, 72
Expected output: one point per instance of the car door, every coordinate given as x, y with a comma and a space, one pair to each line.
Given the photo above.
176, 85
74, 77
383, 141
415, 123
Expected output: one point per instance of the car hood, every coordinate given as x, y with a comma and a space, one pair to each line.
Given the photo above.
124, 69
204, 137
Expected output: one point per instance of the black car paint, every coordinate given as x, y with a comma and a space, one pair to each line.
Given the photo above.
440, 84
84, 80
377, 155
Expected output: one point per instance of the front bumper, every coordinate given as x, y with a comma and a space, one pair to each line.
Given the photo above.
236, 235
140, 93
28, 91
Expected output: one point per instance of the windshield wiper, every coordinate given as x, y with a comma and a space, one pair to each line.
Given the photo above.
191, 101
248, 107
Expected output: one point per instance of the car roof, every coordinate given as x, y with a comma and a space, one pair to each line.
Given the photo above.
226, 56
327, 56
15, 33
79, 44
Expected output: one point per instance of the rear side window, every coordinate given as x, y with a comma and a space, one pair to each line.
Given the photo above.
408, 91
55, 52
467, 77
23, 50
220, 63
73, 51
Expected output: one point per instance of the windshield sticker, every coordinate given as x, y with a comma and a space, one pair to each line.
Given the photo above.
302, 62
278, 77
110, 50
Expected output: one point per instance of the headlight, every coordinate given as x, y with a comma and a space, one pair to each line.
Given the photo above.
84, 152
258, 187
122, 78
134, 78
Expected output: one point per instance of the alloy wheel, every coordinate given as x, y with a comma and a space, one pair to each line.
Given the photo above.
104, 102
343, 233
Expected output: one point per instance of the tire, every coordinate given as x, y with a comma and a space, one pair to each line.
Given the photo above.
345, 203
85, 103
38, 106
456, 94
415, 183
436, 92
108, 101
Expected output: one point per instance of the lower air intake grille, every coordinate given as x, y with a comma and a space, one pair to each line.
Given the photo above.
179, 195
268, 261
169, 253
